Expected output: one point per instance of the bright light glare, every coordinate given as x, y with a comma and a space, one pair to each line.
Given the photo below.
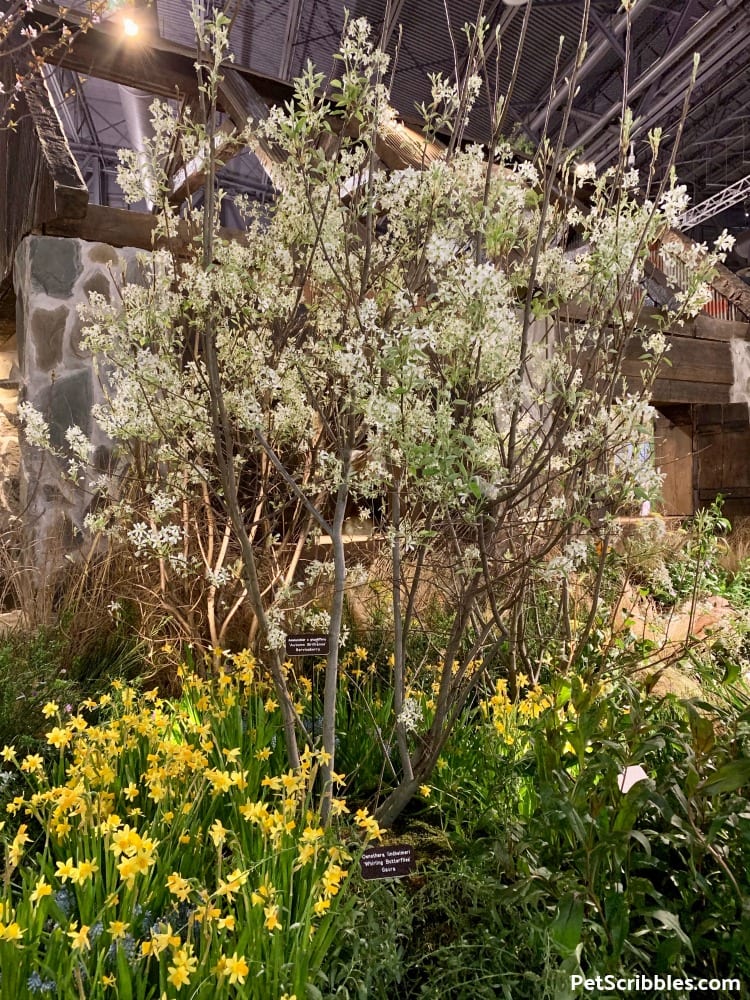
130, 27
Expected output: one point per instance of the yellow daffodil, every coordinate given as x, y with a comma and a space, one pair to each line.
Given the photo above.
11, 932
183, 966
236, 968
65, 870
41, 889
272, 921
32, 763
178, 886
218, 833
59, 737
79, 939
84, 871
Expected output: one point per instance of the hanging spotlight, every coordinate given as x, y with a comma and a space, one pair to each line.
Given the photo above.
130, 27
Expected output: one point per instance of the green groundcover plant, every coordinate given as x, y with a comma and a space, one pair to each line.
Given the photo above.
550, 866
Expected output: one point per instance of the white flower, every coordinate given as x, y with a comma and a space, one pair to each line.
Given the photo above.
674, 203
218, 577
410, 715
724, 242
35, 427
585, 173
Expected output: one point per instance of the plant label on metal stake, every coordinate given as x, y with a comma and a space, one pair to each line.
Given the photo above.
392, 861
307, 644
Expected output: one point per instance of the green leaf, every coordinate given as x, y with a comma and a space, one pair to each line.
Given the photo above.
642, 839
565, 929
671, 921
618, 919
124, 986
728, 778
701, 728
731, 673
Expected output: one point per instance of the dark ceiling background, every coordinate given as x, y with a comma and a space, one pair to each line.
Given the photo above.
277, 37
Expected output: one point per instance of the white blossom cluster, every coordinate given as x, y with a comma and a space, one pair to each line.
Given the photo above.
413, 324
410, 715
35, 427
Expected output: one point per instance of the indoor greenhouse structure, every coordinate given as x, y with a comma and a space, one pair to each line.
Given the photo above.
374, 499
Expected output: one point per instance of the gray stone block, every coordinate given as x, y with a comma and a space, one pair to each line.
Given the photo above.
47, 334
101, 253
136, 273
65, 402
98, 282
55, 265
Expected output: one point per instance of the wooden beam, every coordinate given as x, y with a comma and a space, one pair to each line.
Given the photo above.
668, 391
192, 175
701, 327
153, 64
399, 146
120, 228
242, 102
167, 70
70, 195
687, 360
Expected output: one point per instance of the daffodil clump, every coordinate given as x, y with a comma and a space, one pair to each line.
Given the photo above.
513, 718
166, 852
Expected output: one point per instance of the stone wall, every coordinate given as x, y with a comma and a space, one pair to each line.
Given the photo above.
52, 277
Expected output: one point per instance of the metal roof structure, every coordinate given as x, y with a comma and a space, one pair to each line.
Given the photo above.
653, 47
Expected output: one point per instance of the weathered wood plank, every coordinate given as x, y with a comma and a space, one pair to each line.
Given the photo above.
687, 360
701, 326
20, 157
673, 455
120, 228
70, 195
674, 391
708, 328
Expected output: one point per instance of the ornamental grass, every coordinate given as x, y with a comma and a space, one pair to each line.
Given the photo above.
163, 850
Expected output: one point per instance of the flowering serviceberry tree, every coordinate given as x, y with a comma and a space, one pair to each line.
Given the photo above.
420, 340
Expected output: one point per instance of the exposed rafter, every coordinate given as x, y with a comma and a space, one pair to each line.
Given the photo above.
599, 47
294, 12
191, 176
707, 29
